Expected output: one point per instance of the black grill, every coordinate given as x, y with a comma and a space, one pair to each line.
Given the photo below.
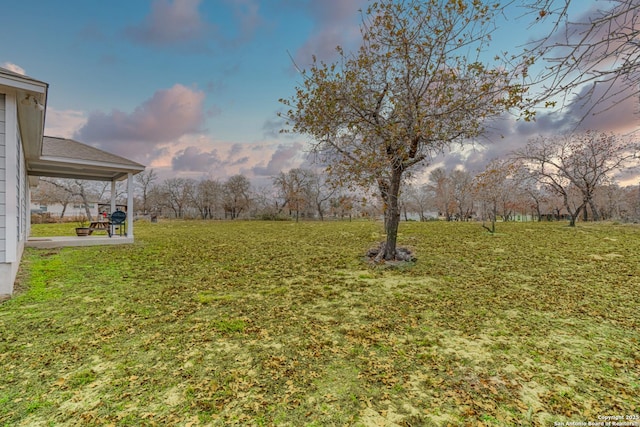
117, 220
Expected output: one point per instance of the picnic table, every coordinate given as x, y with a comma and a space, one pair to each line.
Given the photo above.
100, 226
109, 225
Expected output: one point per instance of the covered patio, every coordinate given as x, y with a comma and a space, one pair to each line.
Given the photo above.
66, 158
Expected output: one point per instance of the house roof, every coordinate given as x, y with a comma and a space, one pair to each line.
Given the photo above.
57, 157
66, 158
31, 100
20, 81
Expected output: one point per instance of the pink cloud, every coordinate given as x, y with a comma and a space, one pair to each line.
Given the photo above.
200, 156
168, 115
608, 108
194, 159
171, 23
64, 123
284, 158
604, 53
616, 115
179, 22
226, 159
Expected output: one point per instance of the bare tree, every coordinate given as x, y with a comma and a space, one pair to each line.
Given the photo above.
49, 194
321, 191
580, 163
440, 184
419, 199
494, 188
294, 189
145, 180
632, 196
612, 202
207, 197
595, 57
156, 200
178, 192
343, 205
461, 184
264, 203
531, 189
84, 192
236, 196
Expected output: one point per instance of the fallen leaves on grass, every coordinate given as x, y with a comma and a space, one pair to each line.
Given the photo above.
259, 323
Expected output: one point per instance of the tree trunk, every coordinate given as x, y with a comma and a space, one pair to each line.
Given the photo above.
390, 192
144, 200
594, 210
572, 220
85, 202
492, 217
575, 214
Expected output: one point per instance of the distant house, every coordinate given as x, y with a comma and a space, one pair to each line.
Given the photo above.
73, 210
55, 210
26, 154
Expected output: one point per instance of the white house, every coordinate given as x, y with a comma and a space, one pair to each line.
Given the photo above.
55, 210
26, 154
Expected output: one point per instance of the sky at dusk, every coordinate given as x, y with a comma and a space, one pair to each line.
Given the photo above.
191, 87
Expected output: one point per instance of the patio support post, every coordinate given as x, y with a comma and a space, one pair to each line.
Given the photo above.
113, 196
28, 225
130, 205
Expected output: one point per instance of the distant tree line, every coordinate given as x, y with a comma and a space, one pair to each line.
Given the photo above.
571, 178
552, 178
295, 194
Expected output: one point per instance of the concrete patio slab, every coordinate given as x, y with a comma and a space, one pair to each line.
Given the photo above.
65, 241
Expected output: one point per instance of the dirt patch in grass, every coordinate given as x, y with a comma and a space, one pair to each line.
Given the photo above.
288, 326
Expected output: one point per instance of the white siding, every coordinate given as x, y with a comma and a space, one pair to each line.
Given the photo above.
3, 208
11, 167
11, 198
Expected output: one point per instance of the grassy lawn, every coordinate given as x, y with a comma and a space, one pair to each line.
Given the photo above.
264, 323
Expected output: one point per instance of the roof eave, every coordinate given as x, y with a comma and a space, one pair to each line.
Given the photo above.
90, 177
57, 167
31, 99
98, 165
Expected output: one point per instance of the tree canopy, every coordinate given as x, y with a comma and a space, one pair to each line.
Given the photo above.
418, 83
